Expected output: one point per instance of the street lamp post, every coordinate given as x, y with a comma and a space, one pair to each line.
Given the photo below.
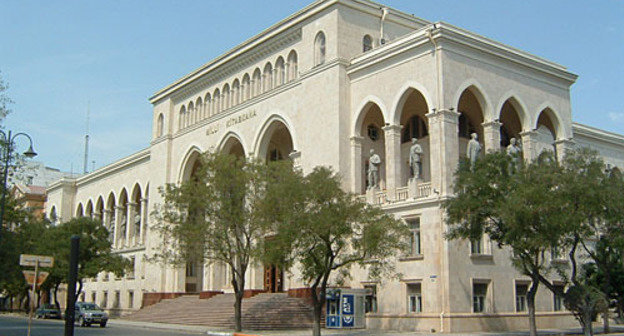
7, 139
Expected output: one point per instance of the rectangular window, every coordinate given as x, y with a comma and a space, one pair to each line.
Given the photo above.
93, 297
104, 302
370, 304
190, 269
117, 299
414, 225
479, 294
558, 299
521, 297
130, 299
476, 246
105, 277
414, 298
131, 271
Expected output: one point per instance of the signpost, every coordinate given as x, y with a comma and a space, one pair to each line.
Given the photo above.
35, 278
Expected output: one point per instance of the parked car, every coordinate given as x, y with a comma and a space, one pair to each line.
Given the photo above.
88, 313
48, 310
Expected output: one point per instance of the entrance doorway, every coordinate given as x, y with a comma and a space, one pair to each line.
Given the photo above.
273, 279
194, 277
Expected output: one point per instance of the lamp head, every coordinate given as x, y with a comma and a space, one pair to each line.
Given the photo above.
30, 153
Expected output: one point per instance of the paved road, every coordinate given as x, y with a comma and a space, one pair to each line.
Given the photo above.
17, 326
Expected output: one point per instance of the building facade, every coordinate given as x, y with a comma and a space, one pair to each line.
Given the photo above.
325, 86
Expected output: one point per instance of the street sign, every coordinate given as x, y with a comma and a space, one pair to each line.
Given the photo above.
30, 277
31, 260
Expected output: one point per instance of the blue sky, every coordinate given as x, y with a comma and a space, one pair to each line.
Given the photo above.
60, 57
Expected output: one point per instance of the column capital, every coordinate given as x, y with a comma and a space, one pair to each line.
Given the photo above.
392, 128
356, 140
493, 123
569, 142
443, 115
528, 133
295, 154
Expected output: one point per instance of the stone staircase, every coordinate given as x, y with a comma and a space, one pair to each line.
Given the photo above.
266, 311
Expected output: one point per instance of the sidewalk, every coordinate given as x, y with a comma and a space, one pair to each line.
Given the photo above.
616, 330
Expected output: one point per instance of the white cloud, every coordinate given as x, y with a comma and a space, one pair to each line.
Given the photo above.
616, 117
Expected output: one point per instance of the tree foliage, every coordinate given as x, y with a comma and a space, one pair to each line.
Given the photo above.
215, 216
327, 231
533, 208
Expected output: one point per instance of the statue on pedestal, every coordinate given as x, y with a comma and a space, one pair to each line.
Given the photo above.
373, 170
474, 149
514, 151
414, 158
137, 225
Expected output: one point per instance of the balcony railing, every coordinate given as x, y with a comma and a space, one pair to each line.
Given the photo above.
422, 190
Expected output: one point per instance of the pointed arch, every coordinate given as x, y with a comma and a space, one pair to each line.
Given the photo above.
188, 163
547, 113
216, 97
160, 125
225, 97
207, 105
366, 104
511, 112
477, 90
319, 48
232, 143
79, 211
267, 77
269, 126
89, 208
181, 117
401, 98
236, 92
280, 68
256, 83
136, 193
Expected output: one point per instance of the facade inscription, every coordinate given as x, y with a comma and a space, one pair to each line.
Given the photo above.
212, 129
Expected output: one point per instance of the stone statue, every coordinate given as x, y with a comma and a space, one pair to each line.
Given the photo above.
373, 170
122, 227
111, 228
414, 158
513, 149
474, 148
137, 225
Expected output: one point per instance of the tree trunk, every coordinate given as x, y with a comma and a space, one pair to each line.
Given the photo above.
317, 303
531, 306
238, 311
586, 322
605, 321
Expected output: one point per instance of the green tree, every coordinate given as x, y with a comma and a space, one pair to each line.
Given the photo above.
540, 206
326, 231
5, 101
215, 217
512, 202
95, 253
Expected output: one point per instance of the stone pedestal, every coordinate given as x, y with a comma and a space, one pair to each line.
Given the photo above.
371, 195
412, 187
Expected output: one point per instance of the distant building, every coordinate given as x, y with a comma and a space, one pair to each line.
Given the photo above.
36, 173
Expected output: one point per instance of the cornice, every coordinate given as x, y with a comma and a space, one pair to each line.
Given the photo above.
62, 183
282, 26
443, 32
236, 65
114, 167
597, 134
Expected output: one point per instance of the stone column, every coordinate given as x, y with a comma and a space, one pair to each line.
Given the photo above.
443, 149
356, 165
144, 215
563, 146
393, 159
529, 142
105, 222
119, 212
491, 133
131, 210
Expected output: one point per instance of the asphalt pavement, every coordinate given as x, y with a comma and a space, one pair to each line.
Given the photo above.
17, 326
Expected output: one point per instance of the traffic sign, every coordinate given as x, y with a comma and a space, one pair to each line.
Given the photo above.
30, 277
31, 260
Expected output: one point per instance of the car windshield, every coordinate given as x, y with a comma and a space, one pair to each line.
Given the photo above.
90, 306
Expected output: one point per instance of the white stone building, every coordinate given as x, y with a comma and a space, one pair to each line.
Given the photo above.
323, 87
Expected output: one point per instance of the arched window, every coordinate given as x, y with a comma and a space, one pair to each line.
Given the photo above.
181, 117
236, 92
215, 102
292, 65
225, 97
246, 88
268, 77
367, 43
189, 114
319, 49
280, 71
160, 125
257, 82
207, 105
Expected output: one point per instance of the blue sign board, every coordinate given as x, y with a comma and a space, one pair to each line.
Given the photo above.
332, 321
347, 309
